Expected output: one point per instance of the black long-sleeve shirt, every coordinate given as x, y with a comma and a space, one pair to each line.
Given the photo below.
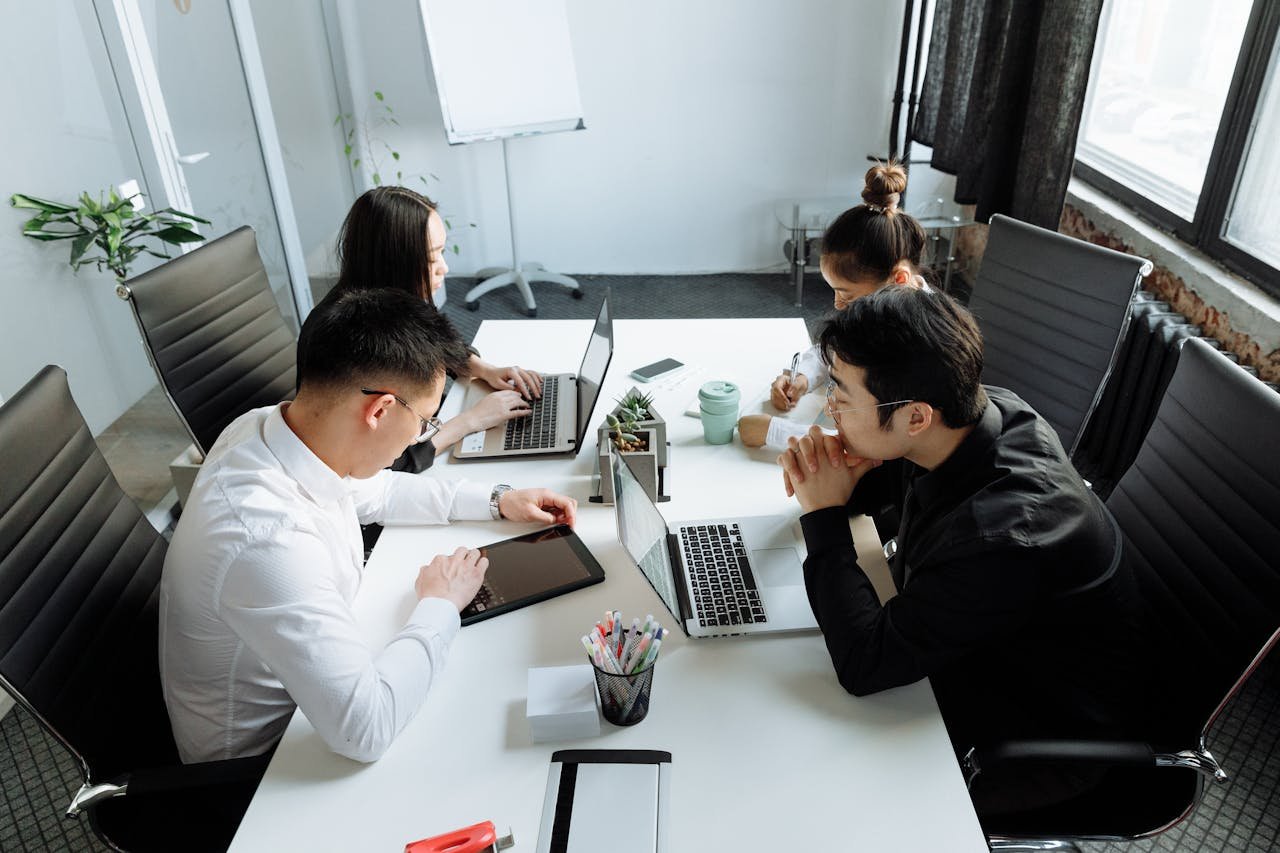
1014, 598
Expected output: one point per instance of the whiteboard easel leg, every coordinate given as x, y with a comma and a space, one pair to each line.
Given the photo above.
491, 278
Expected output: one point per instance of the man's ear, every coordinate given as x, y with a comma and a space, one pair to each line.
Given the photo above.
375, 408
919, 417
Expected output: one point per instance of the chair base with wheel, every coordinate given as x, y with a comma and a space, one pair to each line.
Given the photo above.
492, 278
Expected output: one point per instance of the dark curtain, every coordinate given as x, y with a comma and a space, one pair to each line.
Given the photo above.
1001, 101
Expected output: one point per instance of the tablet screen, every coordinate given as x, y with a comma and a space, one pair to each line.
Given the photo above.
532, 568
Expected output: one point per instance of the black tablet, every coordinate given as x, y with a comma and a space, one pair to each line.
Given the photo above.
532, 568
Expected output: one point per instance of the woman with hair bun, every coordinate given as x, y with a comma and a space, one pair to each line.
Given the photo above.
393, 237
863, 249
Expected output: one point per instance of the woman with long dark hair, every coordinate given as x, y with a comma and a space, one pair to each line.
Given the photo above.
394, 237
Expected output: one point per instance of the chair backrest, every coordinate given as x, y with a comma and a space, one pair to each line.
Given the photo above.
79, 578
215, 334
1198, 508
1052, 311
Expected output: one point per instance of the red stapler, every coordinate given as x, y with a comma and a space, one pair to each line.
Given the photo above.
481, 838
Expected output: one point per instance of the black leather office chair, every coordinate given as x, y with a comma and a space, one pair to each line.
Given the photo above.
79, 574
214, 333
1052, 310
1098, 449
1198, 512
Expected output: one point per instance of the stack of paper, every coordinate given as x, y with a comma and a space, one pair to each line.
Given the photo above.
562, 703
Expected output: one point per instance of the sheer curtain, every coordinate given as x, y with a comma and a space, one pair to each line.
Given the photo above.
1002, 98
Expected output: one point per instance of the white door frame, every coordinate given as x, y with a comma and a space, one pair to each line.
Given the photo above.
255, 76
127, 45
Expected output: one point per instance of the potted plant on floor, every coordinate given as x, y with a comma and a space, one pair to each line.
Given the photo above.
622, 435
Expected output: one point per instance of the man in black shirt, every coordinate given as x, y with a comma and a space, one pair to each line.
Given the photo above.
1013, 596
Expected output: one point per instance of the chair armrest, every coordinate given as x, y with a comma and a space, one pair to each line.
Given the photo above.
209, 776
1110, 753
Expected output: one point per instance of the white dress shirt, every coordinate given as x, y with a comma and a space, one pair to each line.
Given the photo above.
255, 599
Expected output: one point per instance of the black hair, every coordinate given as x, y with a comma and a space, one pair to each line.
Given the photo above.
358, 336
384, 242
866, 242
913, 344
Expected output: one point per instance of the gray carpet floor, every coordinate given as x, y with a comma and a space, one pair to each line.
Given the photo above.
37, 777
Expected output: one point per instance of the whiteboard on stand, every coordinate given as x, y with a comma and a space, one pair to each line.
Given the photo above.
502, 68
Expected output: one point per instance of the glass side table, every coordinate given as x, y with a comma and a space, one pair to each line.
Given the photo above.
804, 218
935, 237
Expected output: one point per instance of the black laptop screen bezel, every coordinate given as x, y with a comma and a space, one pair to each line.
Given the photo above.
584, 413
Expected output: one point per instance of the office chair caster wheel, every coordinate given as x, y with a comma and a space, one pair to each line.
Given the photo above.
577, 293
531, 312
473, 306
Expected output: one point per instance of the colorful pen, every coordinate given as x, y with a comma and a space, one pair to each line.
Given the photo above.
637, 653
633, 636
650, 656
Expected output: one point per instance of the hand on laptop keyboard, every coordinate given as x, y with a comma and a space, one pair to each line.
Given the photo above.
527, 383
496, 408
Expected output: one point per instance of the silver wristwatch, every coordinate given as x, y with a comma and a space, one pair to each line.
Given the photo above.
494, 496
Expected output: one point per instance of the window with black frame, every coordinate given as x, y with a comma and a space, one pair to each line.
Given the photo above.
1180, 123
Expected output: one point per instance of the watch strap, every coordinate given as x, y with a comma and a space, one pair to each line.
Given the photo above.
494, 496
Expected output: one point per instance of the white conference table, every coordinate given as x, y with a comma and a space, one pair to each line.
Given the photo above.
768, 751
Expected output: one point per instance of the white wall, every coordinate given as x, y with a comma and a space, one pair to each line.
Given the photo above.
65, 134
700, 116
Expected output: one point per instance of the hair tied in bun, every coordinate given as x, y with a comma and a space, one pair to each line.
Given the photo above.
884, 185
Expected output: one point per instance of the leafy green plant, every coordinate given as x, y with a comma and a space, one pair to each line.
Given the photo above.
111, 226
369, 129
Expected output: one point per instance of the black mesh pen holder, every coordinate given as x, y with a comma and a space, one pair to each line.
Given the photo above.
624, 699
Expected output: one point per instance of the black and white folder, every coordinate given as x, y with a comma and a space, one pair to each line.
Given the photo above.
606, 799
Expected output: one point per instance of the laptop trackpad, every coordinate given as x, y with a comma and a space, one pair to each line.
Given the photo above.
777, 567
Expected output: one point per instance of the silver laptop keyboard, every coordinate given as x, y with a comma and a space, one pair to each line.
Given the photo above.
537, 430
724, 588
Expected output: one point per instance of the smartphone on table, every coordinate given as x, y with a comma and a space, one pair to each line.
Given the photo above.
650, 372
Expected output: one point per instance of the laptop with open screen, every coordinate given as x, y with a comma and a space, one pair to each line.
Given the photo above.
559, 419
718, 577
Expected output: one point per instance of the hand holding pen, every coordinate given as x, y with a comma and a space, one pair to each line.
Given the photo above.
789, 387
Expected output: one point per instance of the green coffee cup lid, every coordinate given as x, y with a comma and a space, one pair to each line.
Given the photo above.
718, 391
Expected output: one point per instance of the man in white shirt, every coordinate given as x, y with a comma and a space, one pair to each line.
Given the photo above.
256, 594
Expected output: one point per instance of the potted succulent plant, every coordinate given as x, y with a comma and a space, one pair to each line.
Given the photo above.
640, 412
622, 435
